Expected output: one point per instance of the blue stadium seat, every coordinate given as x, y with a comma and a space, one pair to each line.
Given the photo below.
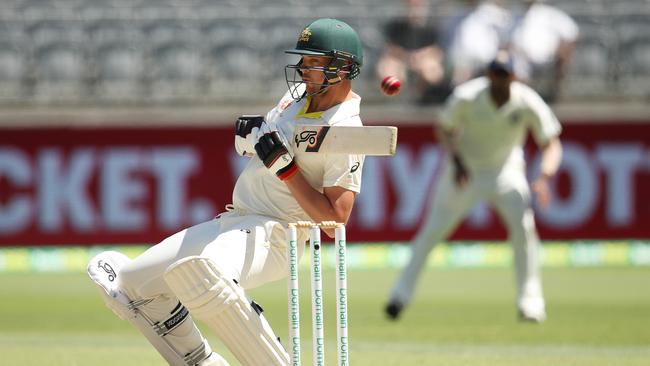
177, 61
34, 9
634, 78
44, 32
176, 71
237, 61
60, 72
118, 72
159, 32
589, 74
237, 70
13, 70
224, 31
112, 30
633, 52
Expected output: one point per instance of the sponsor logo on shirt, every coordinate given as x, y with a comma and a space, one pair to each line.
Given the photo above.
314, 139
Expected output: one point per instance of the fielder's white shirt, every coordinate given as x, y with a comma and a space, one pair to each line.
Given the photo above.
490, 138
259, 191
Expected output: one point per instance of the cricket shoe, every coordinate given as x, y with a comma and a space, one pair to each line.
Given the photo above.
532, 310
393, 309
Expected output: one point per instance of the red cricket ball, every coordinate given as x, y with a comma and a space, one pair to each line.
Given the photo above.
390, 85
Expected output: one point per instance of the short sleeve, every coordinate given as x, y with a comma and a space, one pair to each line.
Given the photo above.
343, 171
544, 124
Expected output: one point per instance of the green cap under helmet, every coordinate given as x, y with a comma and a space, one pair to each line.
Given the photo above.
323, 36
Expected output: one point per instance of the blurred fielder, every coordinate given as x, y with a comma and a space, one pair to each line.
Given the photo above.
483, 127
201, 272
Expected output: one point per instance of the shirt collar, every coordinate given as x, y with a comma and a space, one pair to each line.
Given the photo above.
348, 108
302, 113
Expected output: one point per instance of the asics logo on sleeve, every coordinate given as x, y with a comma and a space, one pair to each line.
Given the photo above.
355, 167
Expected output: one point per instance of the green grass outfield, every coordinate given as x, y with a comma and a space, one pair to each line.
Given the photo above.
597, 316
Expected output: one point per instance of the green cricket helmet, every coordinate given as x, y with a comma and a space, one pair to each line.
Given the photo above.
326, 37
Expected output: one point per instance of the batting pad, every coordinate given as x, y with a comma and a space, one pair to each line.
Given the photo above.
219, 302
104, 270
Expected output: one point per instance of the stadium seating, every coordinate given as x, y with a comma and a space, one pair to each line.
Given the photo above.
60, 72
176, 71
129, 50
13, 71
118, 70
633, 55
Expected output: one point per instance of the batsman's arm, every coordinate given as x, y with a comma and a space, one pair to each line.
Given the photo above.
334, 204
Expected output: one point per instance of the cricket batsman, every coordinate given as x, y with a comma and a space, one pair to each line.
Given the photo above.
482, 129
203, 272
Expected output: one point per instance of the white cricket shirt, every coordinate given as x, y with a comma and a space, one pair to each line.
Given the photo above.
259, 191
490, 137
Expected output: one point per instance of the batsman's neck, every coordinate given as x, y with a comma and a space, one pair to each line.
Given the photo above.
335, 94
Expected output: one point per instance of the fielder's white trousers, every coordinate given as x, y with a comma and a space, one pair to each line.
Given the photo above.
508, 192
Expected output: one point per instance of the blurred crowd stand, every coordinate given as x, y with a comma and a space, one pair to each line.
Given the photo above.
542, 41
476, 40
541, 38
153, 52
413, 53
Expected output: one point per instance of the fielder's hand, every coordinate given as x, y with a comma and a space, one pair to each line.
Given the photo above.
246, 128
461, 175
542, 191
275, 152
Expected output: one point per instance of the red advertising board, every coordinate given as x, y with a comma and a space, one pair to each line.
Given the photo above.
138, 185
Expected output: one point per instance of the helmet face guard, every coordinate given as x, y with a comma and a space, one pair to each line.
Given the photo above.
341, 64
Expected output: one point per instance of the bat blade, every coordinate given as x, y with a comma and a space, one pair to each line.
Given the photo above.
363, 140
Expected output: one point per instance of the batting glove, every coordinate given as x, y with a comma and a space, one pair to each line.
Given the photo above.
275, 152
246, 129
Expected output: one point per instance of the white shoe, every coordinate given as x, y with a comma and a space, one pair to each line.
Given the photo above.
533, 317
532, 310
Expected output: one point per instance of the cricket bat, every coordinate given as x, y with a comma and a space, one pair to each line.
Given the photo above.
362, 140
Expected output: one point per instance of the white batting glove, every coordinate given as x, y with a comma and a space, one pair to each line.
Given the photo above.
246, 130
275, 151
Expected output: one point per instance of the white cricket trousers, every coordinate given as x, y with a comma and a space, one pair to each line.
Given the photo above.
508, 192
251, 249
